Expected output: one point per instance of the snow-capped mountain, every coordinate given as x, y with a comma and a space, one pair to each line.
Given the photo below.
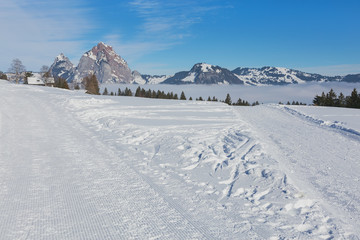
278, 76
62, 67
351, 78
108, 66
202, 73
148, 79
101, 60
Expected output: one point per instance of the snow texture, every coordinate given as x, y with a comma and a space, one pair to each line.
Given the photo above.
75, 166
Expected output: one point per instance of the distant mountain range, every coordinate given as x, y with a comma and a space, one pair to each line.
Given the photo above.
109, 67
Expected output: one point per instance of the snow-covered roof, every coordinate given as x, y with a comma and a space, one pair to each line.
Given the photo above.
35, 81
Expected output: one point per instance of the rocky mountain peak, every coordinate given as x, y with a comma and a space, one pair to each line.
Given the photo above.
62, 67
203, 73
105, 63
61, 57
204, 67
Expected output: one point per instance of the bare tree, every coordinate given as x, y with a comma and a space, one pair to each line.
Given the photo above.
17, 68
45, 74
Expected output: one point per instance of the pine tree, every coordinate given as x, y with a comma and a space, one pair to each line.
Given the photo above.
340, 101
105, 92
91, 84
190, 98
228, 99
148, 94
182, 96
239, 102
27, 75
77, 87
353, 101
330, 98
128, 92
3, 76
138, 91
209, 99
119, 92
61, 83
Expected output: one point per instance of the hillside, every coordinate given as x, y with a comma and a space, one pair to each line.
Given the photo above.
76, 166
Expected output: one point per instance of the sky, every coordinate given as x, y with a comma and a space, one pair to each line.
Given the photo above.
164, 37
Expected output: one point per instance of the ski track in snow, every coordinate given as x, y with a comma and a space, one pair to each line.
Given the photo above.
75, 166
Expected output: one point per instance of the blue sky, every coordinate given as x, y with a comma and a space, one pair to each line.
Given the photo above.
163, 37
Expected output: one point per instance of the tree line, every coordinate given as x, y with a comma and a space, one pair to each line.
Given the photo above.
331, 99
91, 85
141, 92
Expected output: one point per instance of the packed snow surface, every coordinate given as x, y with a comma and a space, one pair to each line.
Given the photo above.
76, 166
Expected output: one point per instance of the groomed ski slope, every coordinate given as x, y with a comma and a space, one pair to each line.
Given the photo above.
75, 166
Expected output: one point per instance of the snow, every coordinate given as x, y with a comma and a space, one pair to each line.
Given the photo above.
341, 117
157, 80
60, 57
76, 166
139, 80
190, 77
118, 59
206, 67
90, 54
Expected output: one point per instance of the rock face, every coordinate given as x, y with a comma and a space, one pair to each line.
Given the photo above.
62, 67
203, 73
100, 60
105, 64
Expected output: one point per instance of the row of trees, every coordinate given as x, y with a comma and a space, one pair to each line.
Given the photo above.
141, 92
239, 102
19, 72
331, 99
293, 103
126, 92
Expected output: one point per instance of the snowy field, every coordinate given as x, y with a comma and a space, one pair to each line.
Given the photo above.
76, 166
264, 94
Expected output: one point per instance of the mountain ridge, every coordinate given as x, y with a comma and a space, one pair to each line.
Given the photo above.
109, 67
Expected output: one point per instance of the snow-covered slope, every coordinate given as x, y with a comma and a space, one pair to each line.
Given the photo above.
278, 76
148, 79
100, 167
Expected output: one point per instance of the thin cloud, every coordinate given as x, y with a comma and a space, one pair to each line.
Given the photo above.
334, 70
36, 31
134, 50
169, 18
